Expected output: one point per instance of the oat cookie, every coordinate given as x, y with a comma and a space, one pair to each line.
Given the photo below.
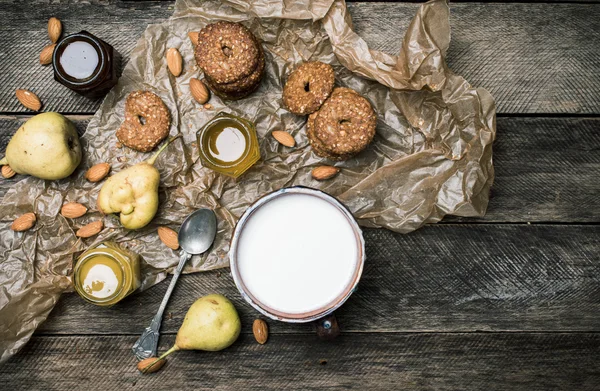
345, 124
308, 86
226, 52
248, 83
147, 121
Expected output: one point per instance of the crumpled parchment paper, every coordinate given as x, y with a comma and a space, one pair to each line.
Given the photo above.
432, 154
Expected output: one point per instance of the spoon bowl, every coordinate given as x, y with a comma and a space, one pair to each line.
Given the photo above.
198, 231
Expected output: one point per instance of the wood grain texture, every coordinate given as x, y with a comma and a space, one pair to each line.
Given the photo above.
533, 58
546, 169
439, 278
503, 362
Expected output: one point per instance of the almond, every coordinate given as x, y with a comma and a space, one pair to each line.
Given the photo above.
97, 172
54, 29
284, 138
73, 210
29, 99
174, 61
194, 37
260, 329
322, 173
151, 364
46, 54
168, 237
8, 172
90, 230
199, 91
24, 222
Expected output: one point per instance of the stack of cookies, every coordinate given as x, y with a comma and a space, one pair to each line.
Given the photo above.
232, 59
341, 123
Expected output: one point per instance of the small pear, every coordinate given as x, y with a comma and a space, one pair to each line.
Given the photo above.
212, 323
46, 146
133, 193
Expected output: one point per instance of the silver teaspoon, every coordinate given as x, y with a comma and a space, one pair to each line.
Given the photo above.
196, 235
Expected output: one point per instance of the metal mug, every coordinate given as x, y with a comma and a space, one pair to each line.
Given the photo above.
323, 318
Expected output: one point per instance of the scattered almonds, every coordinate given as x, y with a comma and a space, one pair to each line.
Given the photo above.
97, 172
90, 230
194, 37
199, 91
8, 172
29, 99
261, 331
168, 237
284, 138
322, 173
145, 366
54, 29
73, 210
174, 61
46, 54
24, 222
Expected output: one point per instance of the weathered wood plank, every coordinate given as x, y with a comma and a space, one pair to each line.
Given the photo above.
532, 57
439, 278
546, 169
299, 362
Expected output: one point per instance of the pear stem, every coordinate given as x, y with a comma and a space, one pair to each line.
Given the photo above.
153, 158
4, 161
165, 354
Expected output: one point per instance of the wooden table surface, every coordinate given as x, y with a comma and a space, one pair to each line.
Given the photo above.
509, 301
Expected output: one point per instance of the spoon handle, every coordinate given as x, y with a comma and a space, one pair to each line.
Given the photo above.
147, 345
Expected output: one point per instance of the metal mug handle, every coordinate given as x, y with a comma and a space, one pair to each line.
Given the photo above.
327, 327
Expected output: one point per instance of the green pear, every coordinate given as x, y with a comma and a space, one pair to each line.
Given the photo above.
46, 146
133, 193
212, 324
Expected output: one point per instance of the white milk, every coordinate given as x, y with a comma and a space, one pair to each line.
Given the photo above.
297, 253
79, 60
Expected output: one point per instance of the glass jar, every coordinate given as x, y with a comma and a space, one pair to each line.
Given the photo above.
106, 273
86, 64
228, 144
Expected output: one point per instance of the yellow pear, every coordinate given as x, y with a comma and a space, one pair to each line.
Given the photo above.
212, 323
133, 193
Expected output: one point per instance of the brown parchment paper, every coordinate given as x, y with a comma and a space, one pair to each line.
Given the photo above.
431, 156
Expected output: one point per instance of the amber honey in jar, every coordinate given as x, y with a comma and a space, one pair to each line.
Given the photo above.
106, 273
228, 144
86, 64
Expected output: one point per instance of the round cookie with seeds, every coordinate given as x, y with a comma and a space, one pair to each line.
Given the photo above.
147, 121
345, 124
248, 83
307, 87
226, 52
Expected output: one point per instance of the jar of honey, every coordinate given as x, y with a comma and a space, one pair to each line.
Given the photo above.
86, 64
106, 273
228, 144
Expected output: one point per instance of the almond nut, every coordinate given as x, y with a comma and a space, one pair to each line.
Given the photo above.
46, 54
322, 173
90, 230
97, 172
168, 237
284, 138
174, 61
73, 210
260, 329
194, 37
199, 91
8, 172
29, 99
54, 29
151, 364
24, 222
